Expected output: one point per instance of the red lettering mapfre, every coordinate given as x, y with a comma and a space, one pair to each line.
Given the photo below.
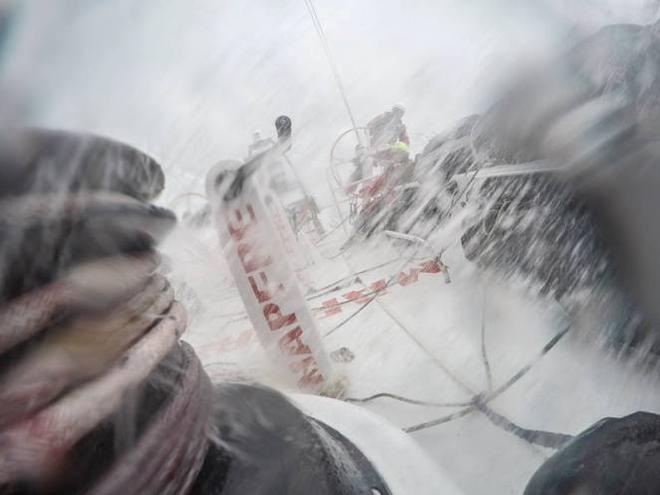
241, 222
292, 344
275, 318
264, 294
310, 372
267, 284
251, 257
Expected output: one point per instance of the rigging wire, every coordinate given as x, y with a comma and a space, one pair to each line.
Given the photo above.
333, 67
484, 400
345, 247
417, 342
296, 175
389, 283
333, 230
537, 437
352, 278
479, 401
242, 315
375, 293
325, 290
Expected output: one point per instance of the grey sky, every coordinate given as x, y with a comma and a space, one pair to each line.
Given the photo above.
188, 80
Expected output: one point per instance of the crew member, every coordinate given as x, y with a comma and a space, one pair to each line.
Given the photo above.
388, 128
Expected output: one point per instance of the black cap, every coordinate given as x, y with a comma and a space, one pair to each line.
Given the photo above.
283, 126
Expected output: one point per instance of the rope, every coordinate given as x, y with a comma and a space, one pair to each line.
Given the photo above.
333, 230
415, 252
348, 318
525, 369
338, 284
375, 293
334, 162
335, 72
479, 401
220, 363
345, 247
411, 336
386, 395
325, 290
433, 358
547, 439
439, 421
482, 401
484, 350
